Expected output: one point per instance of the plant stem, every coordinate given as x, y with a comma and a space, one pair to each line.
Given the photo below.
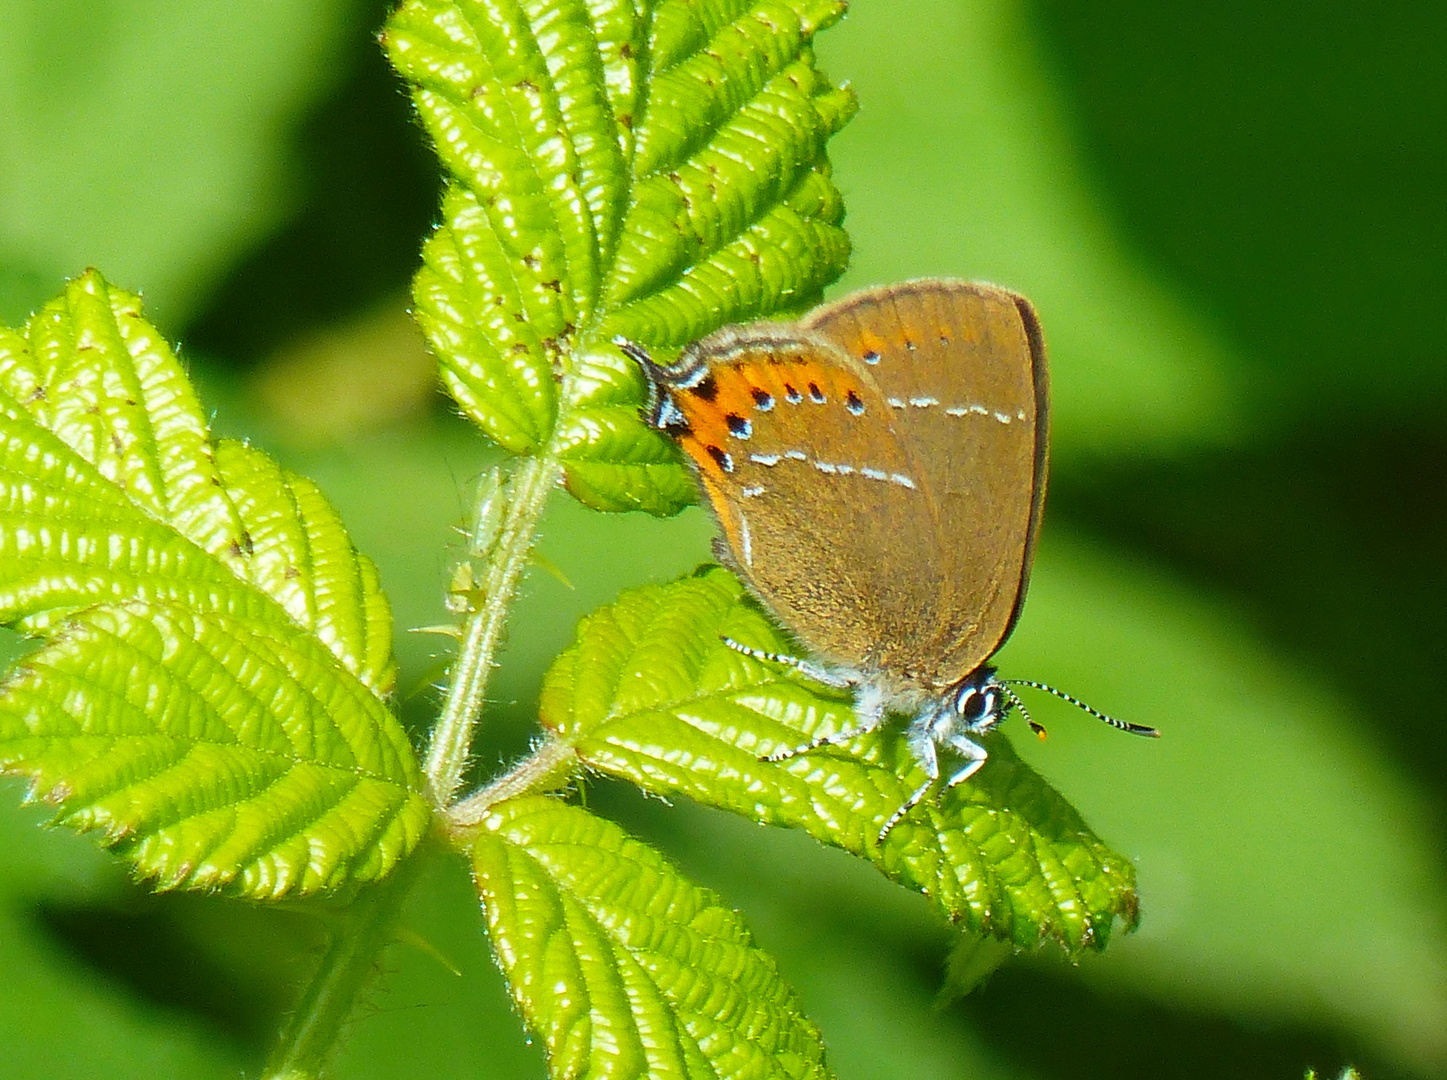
349, 963
351, 957
552, 760
527, 494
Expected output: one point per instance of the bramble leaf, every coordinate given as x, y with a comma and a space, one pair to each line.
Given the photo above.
620, 965
650, 692
619, 168
210, 688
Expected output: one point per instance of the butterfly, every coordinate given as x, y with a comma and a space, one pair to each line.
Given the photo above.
878, 472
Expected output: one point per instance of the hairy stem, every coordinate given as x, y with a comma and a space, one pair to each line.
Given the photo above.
543, 769
347, 966
351, 958
527, 494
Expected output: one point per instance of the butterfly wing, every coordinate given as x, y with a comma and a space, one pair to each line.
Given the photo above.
962, 369
826, 511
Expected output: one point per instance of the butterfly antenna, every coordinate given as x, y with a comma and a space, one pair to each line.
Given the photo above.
1016, 703
1134, 729
659, 410
638, 354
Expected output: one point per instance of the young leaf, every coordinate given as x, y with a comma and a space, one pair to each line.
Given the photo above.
649, 170
620, 965
210, 689
650, 692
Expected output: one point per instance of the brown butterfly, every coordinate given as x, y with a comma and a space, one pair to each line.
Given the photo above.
878, 471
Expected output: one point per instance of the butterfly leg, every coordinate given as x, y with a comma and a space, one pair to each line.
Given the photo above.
922, 746
974, 755
868, 700
818, 672
868, 715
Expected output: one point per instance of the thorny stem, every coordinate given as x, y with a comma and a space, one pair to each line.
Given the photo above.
538, 771
347, 966
351, 958
527, 494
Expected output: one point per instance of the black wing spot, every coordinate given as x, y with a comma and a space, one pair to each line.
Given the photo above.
721, 458
763, 399
854, 403
739, 428
707, 388
815, 394
871, 357
791, 395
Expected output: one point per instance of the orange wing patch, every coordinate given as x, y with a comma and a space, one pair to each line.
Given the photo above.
724, 407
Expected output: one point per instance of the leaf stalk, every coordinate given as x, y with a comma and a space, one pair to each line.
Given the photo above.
541, 770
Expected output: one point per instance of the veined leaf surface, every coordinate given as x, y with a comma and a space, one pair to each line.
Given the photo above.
623, 967
618, 168
210, 691
650, 692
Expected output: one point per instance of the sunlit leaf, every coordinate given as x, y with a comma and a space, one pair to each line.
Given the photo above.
650, 692
210, 688
618, 169
620, 965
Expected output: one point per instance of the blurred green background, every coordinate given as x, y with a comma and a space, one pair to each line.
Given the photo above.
1231, 217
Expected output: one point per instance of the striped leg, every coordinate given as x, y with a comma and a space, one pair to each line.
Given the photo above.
868, 700
922, 746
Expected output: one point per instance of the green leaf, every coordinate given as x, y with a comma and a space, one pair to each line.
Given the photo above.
620, 965
618, 169
210, 691
651, 693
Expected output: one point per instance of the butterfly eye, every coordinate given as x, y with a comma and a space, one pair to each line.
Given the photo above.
976, 705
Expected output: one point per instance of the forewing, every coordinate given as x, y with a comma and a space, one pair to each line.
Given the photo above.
825, 510
961, 367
